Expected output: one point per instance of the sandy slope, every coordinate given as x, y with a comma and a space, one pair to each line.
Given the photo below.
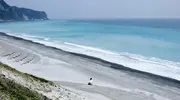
112, 93
56, 65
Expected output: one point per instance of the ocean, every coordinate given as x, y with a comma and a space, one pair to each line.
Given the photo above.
151, 45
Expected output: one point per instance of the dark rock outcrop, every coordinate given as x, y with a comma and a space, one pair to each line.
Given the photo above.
15, 13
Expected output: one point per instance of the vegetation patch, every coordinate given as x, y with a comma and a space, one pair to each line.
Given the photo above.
25, 74
9, 90
38, 79
9, 68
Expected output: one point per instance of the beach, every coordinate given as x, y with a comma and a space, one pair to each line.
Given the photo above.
71, 70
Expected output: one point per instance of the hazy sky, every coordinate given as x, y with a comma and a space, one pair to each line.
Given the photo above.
70, 9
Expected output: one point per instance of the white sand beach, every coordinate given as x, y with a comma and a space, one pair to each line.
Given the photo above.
73, 72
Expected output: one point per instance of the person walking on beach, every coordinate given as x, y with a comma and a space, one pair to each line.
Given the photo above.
90, 82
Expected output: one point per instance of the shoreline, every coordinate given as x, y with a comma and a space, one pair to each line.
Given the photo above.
110, 64
57, 65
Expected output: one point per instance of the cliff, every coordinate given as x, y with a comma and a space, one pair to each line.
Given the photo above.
15, 13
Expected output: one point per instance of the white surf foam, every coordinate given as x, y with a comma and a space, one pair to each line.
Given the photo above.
151, 65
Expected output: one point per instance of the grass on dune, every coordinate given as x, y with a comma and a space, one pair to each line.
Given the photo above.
26, 75
9, 90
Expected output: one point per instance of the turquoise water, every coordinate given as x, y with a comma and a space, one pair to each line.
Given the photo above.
148, 38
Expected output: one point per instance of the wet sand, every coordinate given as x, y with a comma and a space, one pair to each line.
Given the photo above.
73, 71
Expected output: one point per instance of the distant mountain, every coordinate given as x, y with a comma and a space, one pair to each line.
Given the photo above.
15, 13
